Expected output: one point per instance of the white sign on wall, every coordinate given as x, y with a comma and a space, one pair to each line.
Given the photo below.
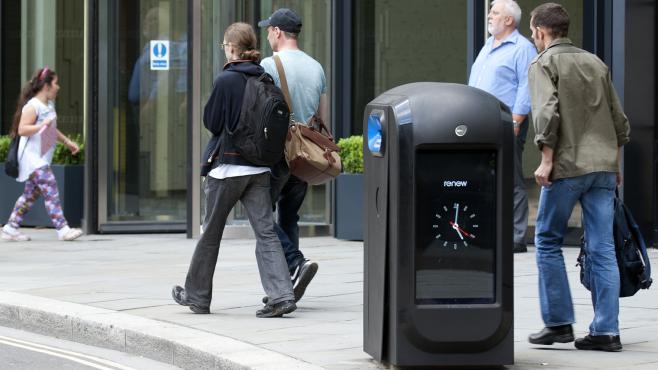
160, 55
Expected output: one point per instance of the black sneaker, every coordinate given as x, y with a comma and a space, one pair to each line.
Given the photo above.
301, 276
276, 310
548, 336
178, 294
608, 343
520, 248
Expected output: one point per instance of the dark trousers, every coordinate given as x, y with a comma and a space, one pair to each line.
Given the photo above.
520, 190
221, 195
289, 201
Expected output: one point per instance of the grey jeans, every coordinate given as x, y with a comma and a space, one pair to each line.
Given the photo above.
520, 191
254, 193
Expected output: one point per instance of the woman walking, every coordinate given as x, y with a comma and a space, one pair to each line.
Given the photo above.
236, 179
35, 121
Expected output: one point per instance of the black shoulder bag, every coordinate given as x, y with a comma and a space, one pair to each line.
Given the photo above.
11, 164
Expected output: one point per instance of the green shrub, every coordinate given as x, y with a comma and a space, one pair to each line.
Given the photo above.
62, 154
4, 147
351, 154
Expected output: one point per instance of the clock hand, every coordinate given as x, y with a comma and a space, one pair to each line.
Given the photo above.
459, 229
456, 206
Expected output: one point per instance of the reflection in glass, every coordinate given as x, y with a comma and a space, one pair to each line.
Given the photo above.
314, 40
147, 151
397, 42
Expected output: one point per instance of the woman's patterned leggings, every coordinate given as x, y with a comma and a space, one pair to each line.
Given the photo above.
41, 182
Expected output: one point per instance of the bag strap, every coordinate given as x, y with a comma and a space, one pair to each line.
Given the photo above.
315, 120
284, 81
286, 94
18, 143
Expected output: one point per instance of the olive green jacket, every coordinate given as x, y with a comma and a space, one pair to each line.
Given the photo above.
575, 110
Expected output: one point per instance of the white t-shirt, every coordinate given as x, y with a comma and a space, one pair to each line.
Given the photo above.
29, 148
233, 170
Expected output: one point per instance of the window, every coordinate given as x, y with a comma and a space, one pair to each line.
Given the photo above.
398, 42
315, 40
33, 38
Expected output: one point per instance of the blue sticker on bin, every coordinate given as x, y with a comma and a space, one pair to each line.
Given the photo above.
375, 134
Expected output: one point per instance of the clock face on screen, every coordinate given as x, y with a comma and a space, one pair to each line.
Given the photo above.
455, 225
456, 241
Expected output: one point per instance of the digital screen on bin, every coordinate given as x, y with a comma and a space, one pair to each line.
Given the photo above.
455, 252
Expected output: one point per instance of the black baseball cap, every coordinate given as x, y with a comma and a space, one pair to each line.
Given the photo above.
284, 18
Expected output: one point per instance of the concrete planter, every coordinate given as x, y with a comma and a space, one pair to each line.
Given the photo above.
349, 206
70, 182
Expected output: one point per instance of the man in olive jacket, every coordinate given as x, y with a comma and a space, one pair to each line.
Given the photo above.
580, 129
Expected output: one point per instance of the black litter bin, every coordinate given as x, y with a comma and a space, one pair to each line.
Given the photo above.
438, 236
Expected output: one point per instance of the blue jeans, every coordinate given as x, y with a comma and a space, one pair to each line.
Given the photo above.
289, 203
596, 192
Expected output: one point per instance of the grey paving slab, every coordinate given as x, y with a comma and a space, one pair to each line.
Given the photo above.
133, 274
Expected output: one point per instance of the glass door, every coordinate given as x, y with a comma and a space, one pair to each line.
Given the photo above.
532, 156
38, 33
142, 115
315, 40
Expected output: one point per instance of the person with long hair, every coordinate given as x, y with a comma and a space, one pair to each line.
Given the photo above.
35, 118
233, 178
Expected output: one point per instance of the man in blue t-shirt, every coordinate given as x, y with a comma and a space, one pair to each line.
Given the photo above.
501, 69
307, 86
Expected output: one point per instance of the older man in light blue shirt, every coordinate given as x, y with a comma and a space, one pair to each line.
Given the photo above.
501, 69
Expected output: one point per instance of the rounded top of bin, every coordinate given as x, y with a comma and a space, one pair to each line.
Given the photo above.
444, 92
445, 112
440, 98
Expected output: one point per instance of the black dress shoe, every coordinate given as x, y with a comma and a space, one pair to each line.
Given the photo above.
178, 294
559, 334
520, 248
276, 310
609, 343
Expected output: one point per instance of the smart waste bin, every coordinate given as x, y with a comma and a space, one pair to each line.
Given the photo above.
438, 241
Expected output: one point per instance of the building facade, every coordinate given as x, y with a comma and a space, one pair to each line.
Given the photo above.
142, 123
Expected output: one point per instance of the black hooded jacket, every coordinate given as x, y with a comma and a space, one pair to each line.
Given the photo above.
223, 108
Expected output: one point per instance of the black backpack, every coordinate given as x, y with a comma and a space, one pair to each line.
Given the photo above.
632, 259
11, 163
261, 131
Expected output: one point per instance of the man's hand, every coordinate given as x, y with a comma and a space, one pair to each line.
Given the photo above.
518, 121
543, 172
